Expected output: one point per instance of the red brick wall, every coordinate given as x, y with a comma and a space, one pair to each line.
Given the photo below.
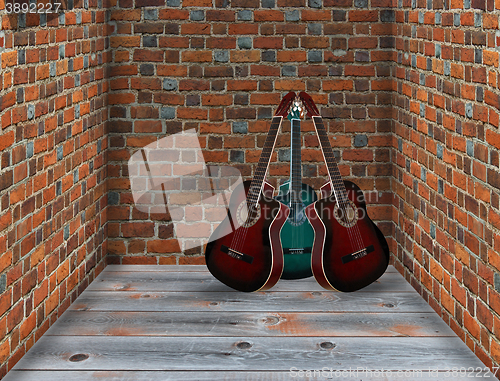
222, 70
408, 89
446, 165
53, 110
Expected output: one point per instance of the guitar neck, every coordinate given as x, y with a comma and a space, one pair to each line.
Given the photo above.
331, 163
265, 157
295, 163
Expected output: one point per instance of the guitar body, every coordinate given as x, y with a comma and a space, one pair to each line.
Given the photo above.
297, 235
248, 258
335, 264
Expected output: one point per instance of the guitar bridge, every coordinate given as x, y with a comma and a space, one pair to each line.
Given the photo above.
236, 254
358, 254
297, 251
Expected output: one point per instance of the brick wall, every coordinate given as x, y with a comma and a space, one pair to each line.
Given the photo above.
446, 165
222, 68
408, 90
53, 110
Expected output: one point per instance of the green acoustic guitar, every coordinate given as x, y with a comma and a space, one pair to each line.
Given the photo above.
297, 234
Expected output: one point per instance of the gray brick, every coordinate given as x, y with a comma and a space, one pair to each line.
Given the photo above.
197, 15
468, 110
60, 152
439, 151
21, 57
496, 278
3, 283
113, 198
437, 18
21, 17
478, 56
269, 56
245, 15
151, 14
237, 156
268, 3
284, 154
29, 149
52, 69
447, 68
314, 29
360, 141
221, 56
288, 71
315, 56
292, 15
438, 51
361, 3
169, 84
470, 148
147, 69
149, 41
245, 42
240, 127
168, 113
31, 112
387, 15
478, 20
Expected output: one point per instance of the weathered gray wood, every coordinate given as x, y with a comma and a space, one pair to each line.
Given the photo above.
132, 330
243, 376
316, 301
203, 281
262, 353
177, 268
248, 324
173, 268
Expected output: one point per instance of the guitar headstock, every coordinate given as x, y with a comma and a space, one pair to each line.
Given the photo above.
285, 104
309, 105
296, 109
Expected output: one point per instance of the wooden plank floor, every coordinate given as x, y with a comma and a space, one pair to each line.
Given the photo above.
179, 323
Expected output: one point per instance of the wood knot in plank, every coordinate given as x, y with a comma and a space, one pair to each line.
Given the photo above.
79, 357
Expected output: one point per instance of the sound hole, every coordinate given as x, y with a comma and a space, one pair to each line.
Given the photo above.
297, 215
346, 213
248, 215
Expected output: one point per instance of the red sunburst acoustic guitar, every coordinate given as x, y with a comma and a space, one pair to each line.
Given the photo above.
349, 251
245, 251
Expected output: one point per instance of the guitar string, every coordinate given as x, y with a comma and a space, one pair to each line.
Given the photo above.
353, 232
294, 172
252, 211
252, 207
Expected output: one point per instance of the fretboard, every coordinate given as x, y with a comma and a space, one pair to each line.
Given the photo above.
265, 157
331, 163
295, 162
